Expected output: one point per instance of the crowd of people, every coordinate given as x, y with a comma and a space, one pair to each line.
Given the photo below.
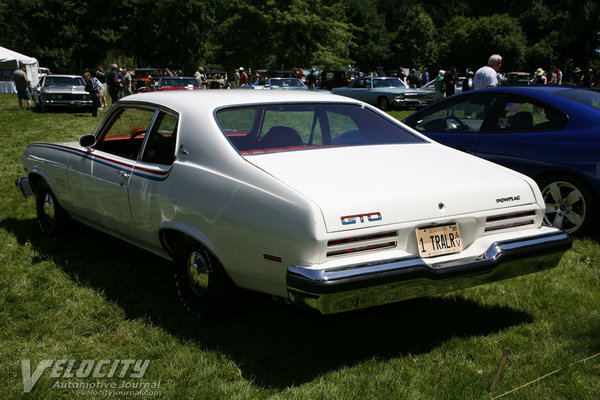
118, 82
490, 75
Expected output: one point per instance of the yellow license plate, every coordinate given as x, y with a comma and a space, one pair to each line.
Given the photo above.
439, 240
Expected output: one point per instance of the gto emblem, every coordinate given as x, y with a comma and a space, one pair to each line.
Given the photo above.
371, 217
511, 198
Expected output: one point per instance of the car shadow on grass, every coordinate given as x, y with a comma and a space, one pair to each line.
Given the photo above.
274, 345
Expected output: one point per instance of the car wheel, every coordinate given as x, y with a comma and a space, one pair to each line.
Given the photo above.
202, 284
52, 218
383, 103
569, 203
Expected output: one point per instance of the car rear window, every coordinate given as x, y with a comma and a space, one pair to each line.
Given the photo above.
589, 97
287, 127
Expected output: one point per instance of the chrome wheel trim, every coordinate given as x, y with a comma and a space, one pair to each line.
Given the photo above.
48, 208
565, 206
198, 271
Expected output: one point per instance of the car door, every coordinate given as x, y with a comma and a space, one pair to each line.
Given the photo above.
361, 89
523, 134
150, 190
459, 122
99, 179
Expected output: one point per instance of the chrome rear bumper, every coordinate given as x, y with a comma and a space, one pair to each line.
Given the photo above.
365, 285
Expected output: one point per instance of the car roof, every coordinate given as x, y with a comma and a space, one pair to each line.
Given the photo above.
548, 93
218, 98
176, 77
63, 76
580, 114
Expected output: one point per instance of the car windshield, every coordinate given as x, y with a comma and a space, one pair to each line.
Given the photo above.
286, 127
388, 83
64, 80
286, 82
589, 97
166, 82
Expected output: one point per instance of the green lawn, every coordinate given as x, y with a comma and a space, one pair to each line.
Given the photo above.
90, 297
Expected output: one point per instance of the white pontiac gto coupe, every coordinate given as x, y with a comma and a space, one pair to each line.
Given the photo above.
319, 199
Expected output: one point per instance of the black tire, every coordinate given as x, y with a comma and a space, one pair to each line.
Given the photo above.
52, 218
202, 284
383, 103
570, 204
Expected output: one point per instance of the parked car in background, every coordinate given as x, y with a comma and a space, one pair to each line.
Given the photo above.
281, 73
172, 83
61, 91
276, 84
143, 77
285, 84
215, 79
331, 79
321, 200
430, 86
549, 133
517, 79
42, 71
385, 92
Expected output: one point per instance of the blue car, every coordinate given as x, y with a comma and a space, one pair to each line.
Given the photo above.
550, 133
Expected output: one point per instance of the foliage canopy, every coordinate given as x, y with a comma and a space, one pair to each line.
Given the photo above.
69, 35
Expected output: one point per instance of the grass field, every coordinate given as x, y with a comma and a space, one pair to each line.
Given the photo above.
90, 297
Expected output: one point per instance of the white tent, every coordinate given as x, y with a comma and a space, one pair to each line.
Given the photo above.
10, 60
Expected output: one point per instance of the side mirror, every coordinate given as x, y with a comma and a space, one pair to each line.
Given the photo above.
87, 141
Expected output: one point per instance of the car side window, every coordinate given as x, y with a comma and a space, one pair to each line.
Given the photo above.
519, 115
161, 144
467, 115
124, 134
362, 83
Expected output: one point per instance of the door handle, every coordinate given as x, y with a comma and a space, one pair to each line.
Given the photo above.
124, 177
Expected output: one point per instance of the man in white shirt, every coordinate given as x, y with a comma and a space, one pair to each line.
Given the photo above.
488, 76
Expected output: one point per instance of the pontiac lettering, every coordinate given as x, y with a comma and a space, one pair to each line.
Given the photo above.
505, 199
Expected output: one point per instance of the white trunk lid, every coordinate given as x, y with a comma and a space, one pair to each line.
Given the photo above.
398, 183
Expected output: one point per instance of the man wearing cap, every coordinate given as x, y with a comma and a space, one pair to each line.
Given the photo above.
468, 82
243, 77
439, 85
22, 86
488, 76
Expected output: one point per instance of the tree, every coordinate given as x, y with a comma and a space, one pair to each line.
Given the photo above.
169, 34
278, 33
372, 40
470, 41
63, 35
415, 42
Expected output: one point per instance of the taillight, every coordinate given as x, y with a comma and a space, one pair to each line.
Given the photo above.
356, 244
512, 220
